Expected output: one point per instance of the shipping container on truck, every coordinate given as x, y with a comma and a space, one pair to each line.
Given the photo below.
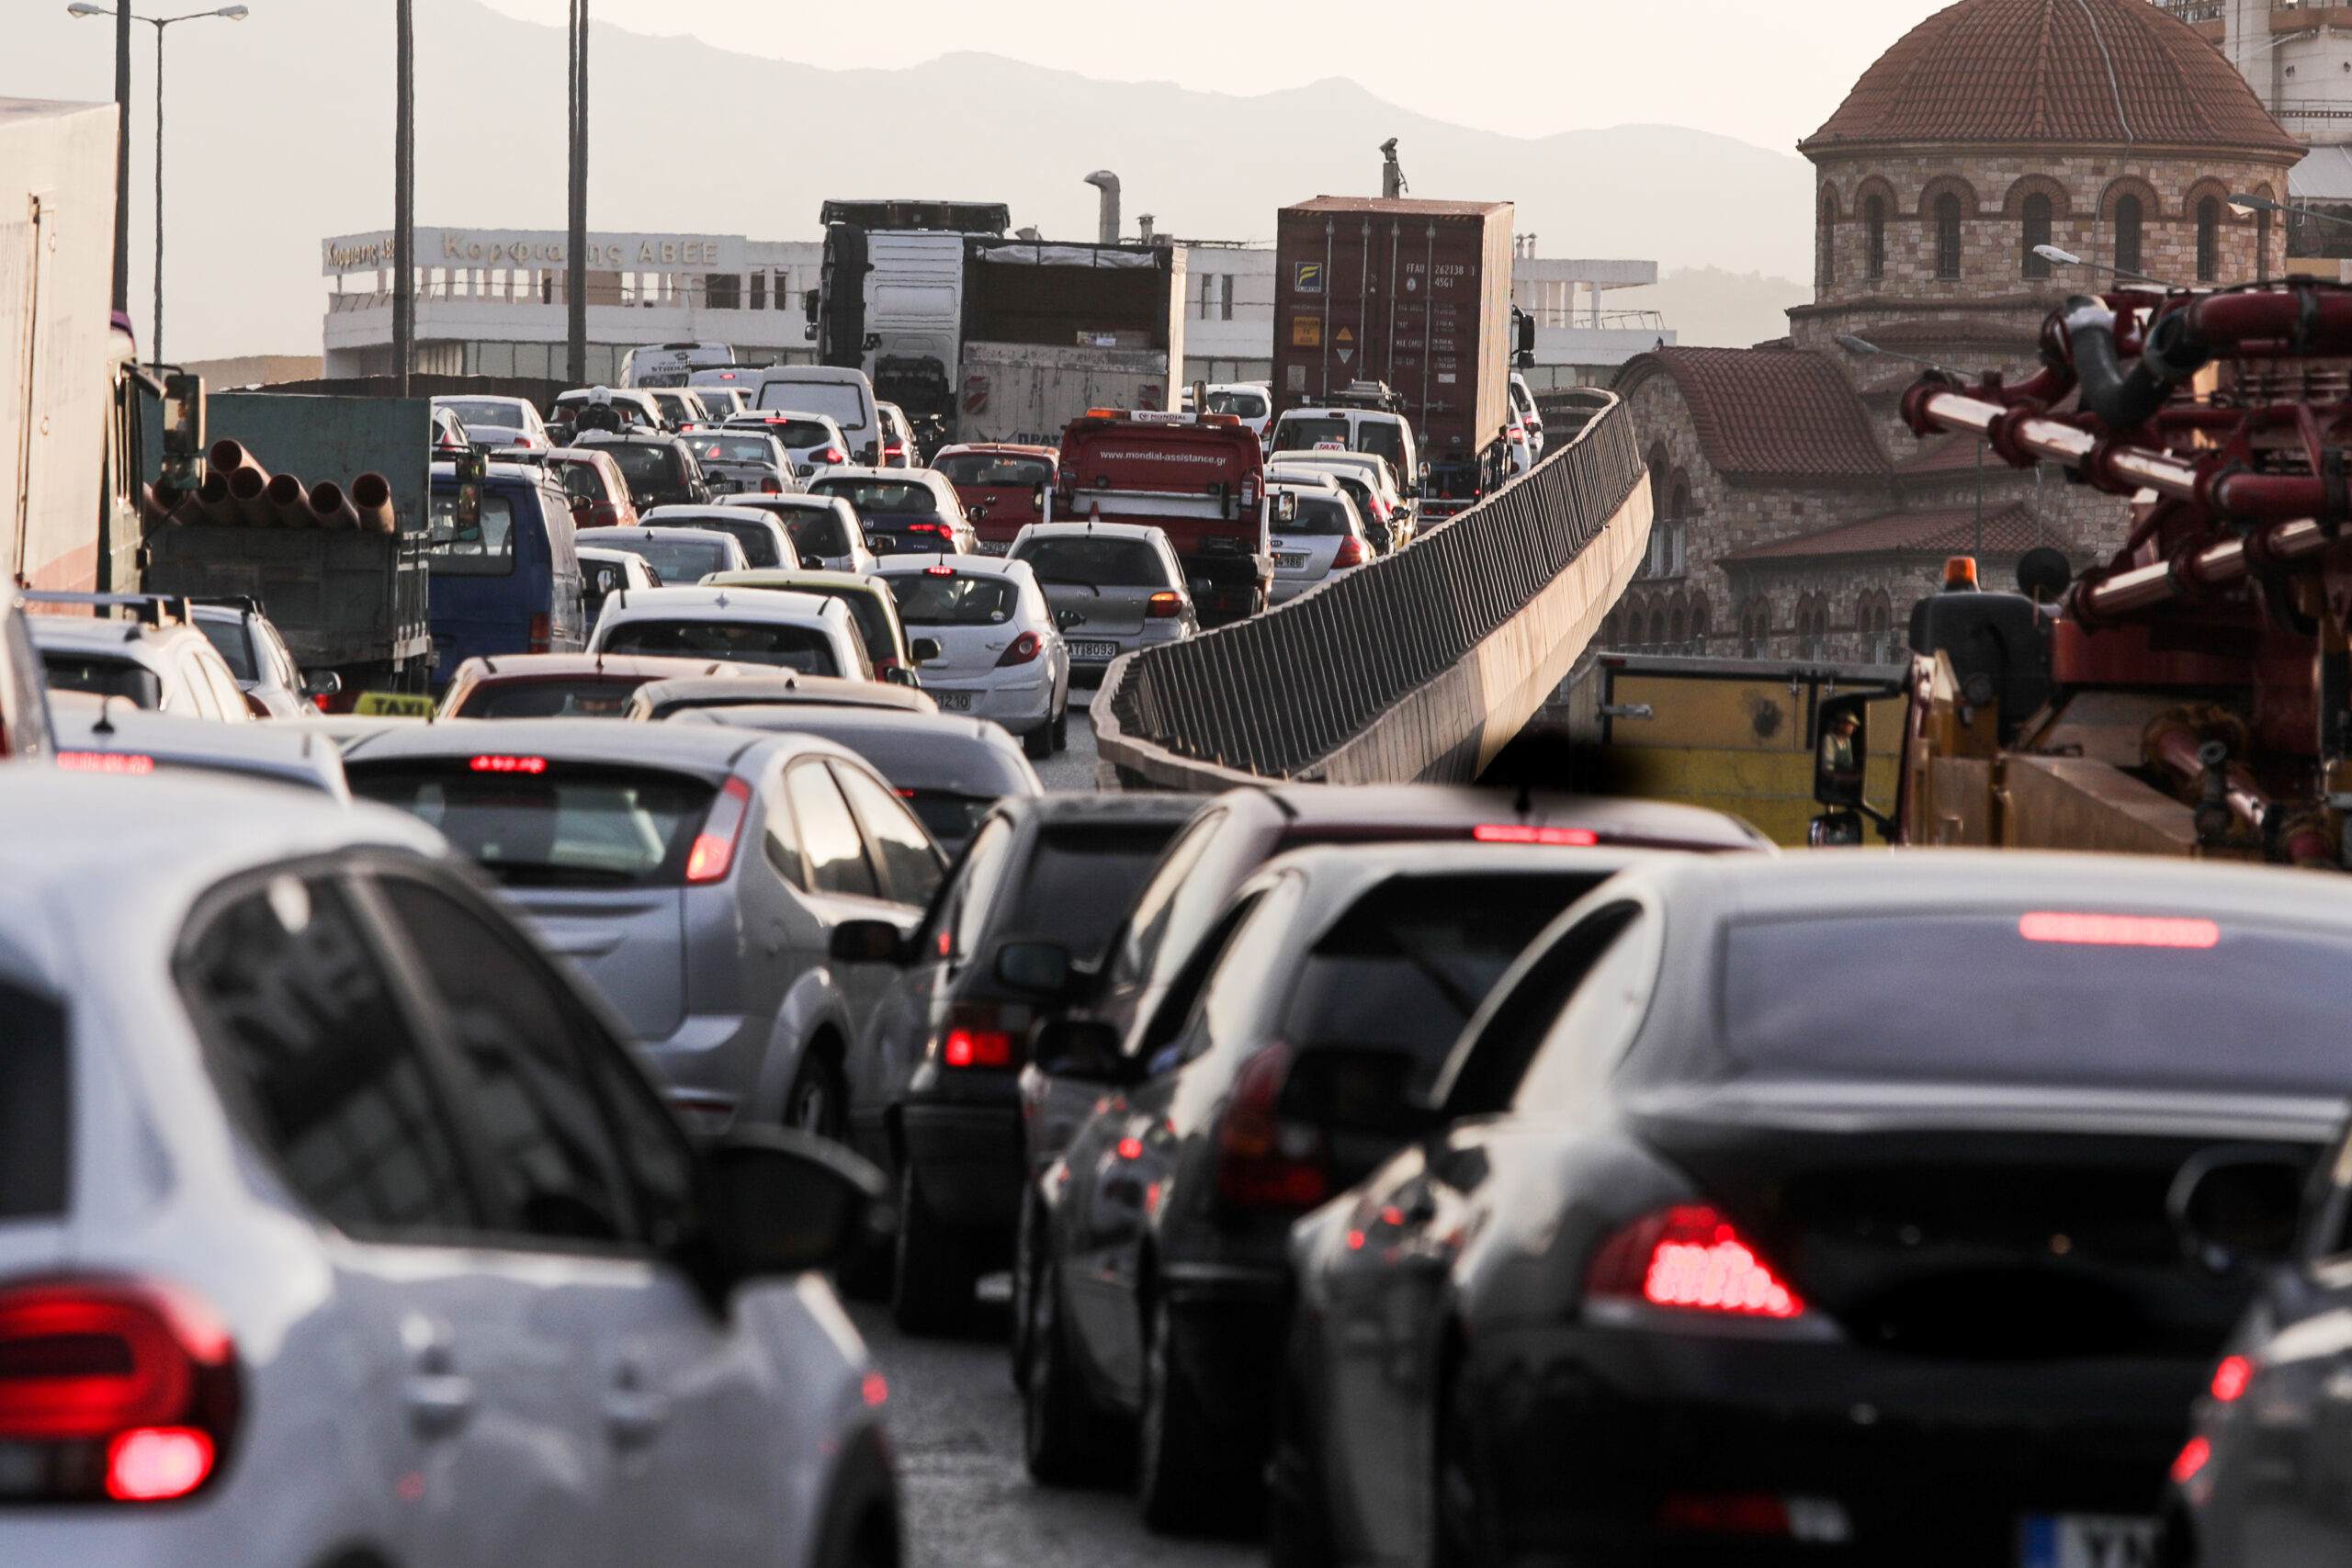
69, 478
354, 603
1201, 478
1413, 295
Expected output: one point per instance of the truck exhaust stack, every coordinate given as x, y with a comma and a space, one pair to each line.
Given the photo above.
1108, 184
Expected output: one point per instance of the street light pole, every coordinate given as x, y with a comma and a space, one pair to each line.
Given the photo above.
122, 160
403, 195
575, 244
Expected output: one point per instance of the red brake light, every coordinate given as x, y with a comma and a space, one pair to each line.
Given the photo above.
984, 1034
1349, 553
976, 1048
2192, 1460
1021, 651
2118, 931
139, 1374
1524, 833
894, 451
770, 487
2231, 1377
713, 849
939, 571
832, 455
1689, 1258
541, 633
509, 764
1263, 1161
104, 763
1161, 606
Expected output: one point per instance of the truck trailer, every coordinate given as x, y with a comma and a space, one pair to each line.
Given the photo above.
1407, 303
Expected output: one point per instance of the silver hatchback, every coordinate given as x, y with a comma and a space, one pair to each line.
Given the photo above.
1114, 587
695, 873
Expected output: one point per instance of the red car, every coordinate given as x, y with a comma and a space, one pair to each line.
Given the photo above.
598, 491
1001, 485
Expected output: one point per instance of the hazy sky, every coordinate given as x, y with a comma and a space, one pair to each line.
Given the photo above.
1766, 73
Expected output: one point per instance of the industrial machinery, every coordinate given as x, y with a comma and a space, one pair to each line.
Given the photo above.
2193, 694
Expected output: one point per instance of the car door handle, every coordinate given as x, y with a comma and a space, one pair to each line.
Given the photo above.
634, 1417
438, 1402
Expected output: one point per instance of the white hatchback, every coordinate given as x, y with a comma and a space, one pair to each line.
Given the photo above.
805, 633
338, 1226
1001, 654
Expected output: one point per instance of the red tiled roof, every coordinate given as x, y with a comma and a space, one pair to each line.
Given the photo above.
1934, 531
1771, 413
1952, 455
2111, 72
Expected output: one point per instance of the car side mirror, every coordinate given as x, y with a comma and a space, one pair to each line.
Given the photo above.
867, 942
899, 675
319, 683
472, 466
1363, 1089
2235, 1206
925, 649
1037, 498
1085, 1050
780, 1200
1068, 618
1040, 966
1286, 506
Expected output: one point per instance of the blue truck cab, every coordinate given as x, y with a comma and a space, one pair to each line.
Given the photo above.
510, 582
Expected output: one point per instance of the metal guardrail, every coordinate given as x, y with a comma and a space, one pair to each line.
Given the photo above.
1276, 693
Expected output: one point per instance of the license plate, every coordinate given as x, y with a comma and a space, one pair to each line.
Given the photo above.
1094, 650
953, 702
1290, 560
2086, 1541
994, 547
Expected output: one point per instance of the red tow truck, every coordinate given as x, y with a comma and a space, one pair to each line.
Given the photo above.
1201, 478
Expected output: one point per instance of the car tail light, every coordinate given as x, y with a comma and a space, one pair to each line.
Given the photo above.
1526, 833
542, 632
894, 451
1021, 651
983, 1034
713, 849
1755, 1514
1349, 553
1249, 491
2190, 1460
1689, 1258
2231, 1377
104, 763
1162, 607
832, 455
771, 487
1263, 1161
116, 1388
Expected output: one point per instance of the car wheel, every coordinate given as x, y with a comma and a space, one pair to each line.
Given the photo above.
1465, 1535
1038, 744
1061, 727
1298, 1516
1025, 1264
1064, 1440
817, 1102
1181, 1474
861, 1526
930, 1288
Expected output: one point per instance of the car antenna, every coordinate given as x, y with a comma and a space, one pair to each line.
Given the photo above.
104, 724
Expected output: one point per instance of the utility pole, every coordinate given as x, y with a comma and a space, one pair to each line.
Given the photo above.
575, 244
122, 158
403, 195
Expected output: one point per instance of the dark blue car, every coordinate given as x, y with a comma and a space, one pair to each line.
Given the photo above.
510, 582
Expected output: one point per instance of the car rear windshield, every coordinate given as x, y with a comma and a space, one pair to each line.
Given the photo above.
957, 600
484, 548
1383, 439
34, 1124
1305, 435
796, 433
644, 466
549, 699
1096, 562
988, 468
1319, 516
508, 416
866, 607
802, 648
1081, 879
582, 479
758, 541
102, 676
229, 639
836, 401
734, 449
1410, 961
950, 818
817, 532
2170, 1000
543, 822
1241, 405
680, 560
872, 498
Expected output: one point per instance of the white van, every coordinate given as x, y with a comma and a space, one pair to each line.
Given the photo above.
669, 364
1347, 429
843, 396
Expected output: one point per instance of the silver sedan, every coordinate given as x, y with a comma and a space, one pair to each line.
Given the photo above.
1114, 587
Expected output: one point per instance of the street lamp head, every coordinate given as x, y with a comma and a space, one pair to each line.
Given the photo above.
2052, 253
2243, 204
1861, 348
84, 9
234, 13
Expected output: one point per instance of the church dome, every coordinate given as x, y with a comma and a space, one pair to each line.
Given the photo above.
2118, 74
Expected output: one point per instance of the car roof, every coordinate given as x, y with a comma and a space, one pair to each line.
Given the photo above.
1614, 820
660, 517
1302, 481
626, 438
812, 373
252, 750
578, 453
775, 604
660, 533
708, 750
924, 477
773, 503
770, 686
951, 753
88, 634
1082, 530
967, 565
1161, 808
598, 552
1018, 448
516, 667
440, 399
776, 580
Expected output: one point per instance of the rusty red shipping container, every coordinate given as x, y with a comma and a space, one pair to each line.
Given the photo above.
1415, 294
